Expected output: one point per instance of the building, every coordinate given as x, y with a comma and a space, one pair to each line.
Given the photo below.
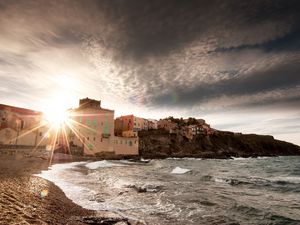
167, 124
22, 127
130, 124
152, 124
92, 127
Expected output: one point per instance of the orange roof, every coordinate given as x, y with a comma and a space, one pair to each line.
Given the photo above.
18, 110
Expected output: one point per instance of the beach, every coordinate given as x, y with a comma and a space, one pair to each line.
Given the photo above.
28, 199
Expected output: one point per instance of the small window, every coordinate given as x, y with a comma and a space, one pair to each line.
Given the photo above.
41, 134
101, 140
130, 143
94, 138
88, 138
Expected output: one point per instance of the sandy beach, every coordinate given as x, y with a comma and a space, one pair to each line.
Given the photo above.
28, 199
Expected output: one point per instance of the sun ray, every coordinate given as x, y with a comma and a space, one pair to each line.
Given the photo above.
66, 139
81, 139
44, 137
53, 146
84, 126
27, 132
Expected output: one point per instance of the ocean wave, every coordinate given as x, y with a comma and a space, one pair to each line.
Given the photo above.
179, 170
184, 158
101, 164
140, 188
285, 180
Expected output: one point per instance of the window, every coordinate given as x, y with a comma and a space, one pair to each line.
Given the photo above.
101, 139
22, 124
41, 134
88, 122
88, 138
95, 122
94, 138
130, 143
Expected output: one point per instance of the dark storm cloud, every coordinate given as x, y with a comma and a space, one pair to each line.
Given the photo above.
160, 52
200, 50
160, 27
280, 77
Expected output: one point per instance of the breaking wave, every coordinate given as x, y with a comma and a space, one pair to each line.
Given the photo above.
186, 191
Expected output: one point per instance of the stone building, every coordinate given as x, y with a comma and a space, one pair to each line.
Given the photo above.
22, 127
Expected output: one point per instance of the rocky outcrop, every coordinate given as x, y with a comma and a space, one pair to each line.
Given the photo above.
161, 144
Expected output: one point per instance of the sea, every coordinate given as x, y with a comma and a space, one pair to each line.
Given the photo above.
187, 191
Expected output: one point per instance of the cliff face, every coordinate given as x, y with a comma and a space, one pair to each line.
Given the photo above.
161, 144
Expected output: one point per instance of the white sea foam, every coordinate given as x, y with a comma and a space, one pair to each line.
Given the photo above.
239, 158
74, 184
295, 180
179, 170
100, 164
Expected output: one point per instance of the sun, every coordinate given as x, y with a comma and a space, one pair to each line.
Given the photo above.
56, 116
55, 112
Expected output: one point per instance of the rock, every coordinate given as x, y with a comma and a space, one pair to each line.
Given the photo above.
221, 145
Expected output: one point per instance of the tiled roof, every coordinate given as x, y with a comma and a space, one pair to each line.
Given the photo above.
18, 110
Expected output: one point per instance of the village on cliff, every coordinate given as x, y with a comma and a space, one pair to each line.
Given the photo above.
88, 130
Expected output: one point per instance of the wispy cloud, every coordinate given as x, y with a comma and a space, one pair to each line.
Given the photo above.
158, 57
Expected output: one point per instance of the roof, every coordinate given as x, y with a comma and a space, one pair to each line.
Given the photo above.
19, 110
91, 108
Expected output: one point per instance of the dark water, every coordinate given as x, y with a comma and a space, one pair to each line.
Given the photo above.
240, 191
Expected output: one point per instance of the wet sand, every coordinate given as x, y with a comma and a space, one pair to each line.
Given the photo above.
27, 199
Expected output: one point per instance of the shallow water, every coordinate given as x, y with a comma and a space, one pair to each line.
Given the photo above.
240, 191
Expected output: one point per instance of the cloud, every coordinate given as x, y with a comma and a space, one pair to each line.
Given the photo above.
181, 57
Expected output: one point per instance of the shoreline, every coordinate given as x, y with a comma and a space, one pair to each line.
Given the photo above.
28, 199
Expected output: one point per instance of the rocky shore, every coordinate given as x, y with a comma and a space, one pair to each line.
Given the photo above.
28, 199
221, 144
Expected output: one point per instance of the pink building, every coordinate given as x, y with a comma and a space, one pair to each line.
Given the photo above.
93, 129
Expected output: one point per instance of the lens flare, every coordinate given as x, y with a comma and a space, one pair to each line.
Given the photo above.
44, 193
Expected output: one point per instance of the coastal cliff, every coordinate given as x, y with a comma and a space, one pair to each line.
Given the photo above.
221, 144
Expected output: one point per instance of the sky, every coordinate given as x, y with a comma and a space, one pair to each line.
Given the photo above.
234, 63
